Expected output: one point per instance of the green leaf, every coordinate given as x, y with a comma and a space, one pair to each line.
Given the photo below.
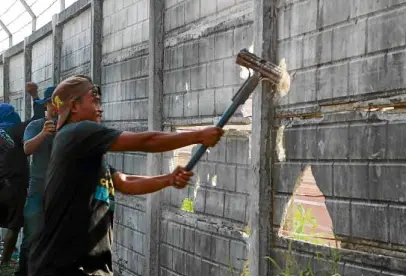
297, 215
274, 263
187, 205
300, 208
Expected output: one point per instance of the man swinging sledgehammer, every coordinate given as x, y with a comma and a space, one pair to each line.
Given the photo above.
76, 237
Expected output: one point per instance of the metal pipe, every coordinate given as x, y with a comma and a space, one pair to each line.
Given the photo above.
9, 34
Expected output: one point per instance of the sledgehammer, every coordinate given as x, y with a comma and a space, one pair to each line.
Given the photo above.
264, 70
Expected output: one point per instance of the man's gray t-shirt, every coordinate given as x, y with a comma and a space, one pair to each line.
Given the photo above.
40, 157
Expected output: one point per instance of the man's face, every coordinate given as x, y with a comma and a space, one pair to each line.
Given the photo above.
88, 107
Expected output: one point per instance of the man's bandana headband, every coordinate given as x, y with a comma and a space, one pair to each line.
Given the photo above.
57, 103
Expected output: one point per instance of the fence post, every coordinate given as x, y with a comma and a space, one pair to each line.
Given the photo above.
96, 42
56, 49
261, 211
6, 78
27, 78
154, 161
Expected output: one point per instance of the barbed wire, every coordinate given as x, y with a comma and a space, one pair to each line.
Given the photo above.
33, 3
17, 17
47, 8
23, 27
6, 11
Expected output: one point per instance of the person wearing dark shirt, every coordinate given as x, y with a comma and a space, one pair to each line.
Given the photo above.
38, 137
16, 172
76, 237
6, 143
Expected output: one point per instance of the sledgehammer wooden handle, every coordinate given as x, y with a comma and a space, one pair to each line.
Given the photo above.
239, 99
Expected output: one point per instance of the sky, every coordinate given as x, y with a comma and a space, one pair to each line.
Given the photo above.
18, 20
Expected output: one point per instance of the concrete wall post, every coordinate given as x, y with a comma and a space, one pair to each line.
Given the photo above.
96, 44
262, 143
154, 161
6, 78
27, 78
56, 49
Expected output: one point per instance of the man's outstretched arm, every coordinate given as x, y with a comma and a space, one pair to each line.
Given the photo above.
135, 185
160, 142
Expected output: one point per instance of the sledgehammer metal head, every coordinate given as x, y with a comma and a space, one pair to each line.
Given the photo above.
277, 75
264, 70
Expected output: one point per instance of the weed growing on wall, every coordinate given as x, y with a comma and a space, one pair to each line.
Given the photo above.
246, 269
187, 205
293, 268
244, 272
303, 218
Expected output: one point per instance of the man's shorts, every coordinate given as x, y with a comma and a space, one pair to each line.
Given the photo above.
12, 208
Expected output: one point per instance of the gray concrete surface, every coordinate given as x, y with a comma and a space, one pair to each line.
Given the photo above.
178, 71
16, 83
76, 39
41, 67
345, 52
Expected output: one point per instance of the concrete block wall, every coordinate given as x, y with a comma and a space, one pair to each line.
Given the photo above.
200, 74
76, 39
125, 101
200, 78
16, 85
41, 67
125, 24
210, 240
343, 51
338, 51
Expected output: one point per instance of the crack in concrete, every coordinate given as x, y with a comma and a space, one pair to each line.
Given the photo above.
344, 108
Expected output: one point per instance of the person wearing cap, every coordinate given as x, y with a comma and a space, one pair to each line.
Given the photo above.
15, 171
76, 238
38, 137
38, 104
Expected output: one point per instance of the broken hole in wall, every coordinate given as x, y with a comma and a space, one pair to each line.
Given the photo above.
306, 217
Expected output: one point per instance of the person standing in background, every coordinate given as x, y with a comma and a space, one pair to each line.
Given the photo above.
15, 171
6, 143
38, 105
38, 137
